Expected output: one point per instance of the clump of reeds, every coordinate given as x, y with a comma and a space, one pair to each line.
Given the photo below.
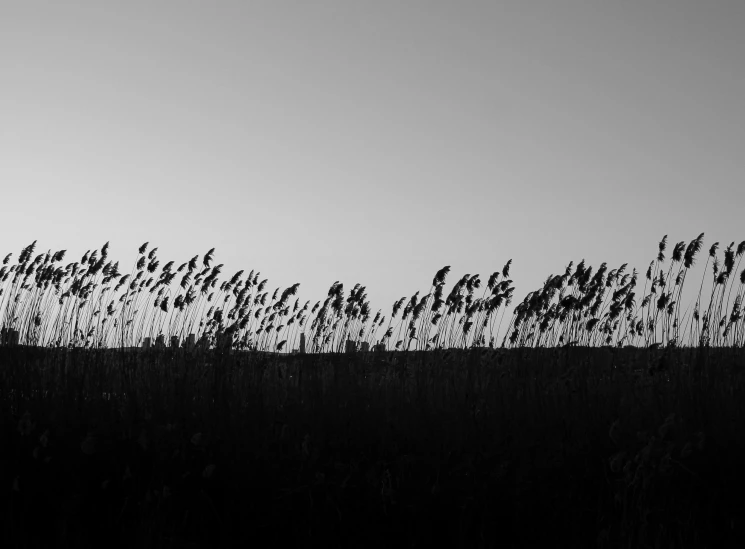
601, 308
91, 304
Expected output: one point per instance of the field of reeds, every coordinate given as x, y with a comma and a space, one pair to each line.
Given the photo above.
596, 422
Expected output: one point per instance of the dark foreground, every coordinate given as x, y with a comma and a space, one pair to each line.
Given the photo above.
580, 448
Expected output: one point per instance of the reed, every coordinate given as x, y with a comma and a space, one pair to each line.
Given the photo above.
607, 436
91, 304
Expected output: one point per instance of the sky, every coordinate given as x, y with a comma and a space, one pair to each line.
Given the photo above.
373, 142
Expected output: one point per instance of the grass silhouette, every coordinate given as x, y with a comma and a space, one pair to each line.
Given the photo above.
91, 304
453, 443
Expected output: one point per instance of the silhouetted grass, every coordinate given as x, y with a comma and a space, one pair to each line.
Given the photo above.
519, 447
49, 305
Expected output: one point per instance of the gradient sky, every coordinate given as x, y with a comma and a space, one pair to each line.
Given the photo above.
373, 142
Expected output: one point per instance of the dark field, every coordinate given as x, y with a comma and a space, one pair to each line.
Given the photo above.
570, 447
601, 420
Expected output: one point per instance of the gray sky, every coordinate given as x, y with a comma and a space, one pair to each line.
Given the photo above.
373, 142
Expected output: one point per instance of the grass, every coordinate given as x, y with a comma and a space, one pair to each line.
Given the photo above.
49, 305
457, 444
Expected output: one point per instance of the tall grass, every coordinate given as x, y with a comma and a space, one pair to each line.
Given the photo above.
91, 304
607, 447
